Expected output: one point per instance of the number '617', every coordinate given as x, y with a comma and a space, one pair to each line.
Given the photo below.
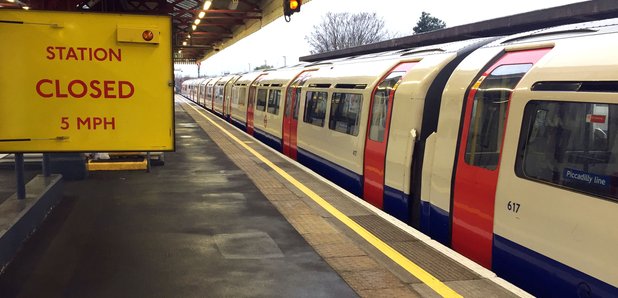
513, 207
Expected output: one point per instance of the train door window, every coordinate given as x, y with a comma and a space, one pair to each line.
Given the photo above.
242, 95
219, 94
273, 101
235, 95
344, 112
288, 102
261, 100
297, 105
379, 111
315, 108
489, 112
571, 145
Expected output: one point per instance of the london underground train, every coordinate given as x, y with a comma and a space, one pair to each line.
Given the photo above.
504, 149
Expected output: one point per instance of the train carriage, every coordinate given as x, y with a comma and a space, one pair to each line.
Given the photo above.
219, 94
333, 110
524, 174
201, 96
209, 97
240, 99
227, 104
269, 106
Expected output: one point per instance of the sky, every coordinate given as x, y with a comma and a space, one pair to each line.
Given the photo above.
280, 43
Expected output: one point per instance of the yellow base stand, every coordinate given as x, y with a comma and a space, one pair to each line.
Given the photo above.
117, 165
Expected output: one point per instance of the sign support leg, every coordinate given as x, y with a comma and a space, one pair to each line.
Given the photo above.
45, 165
19, 174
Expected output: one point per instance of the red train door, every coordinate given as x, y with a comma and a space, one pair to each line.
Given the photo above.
290, 117
381, 106
251, 103
478, 162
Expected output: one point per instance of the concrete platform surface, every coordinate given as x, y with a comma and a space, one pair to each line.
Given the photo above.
196, 227
343, 229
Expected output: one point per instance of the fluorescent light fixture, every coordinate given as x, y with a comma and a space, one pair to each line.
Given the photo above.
202, 14
207, 4
197, 21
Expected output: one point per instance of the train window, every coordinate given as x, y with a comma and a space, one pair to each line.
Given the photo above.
379, 110
344, 112
242, 95
235, 95
273, 101
219, 94
260, 104
288, 102
315, 108
489, 114
297, 104
572, 145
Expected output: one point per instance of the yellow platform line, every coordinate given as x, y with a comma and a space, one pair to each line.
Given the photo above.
418, 272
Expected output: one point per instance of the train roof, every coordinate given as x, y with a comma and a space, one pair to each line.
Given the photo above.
249, 77
559, 32
366, 69
225, 79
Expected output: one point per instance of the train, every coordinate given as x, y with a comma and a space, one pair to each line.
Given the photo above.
501, 148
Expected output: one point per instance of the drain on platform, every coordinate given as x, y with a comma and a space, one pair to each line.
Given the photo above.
251, 245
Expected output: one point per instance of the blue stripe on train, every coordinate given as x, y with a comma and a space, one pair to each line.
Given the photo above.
341, 176
396, 203
542, 276
435, 223
241, 125
268, 139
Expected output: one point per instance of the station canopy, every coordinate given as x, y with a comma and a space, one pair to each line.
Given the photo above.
221, 22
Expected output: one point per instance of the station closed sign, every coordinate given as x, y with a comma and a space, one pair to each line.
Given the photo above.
85, 82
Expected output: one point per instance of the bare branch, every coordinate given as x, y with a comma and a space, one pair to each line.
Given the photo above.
344, 30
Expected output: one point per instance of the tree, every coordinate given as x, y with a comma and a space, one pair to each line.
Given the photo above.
344, 30
428, 23
265, 66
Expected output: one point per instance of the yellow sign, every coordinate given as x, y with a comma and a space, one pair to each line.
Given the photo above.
85, 82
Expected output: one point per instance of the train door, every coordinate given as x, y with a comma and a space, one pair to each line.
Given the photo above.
377, 133
213, 95
227, 99
251, 103
290, 116
478, 160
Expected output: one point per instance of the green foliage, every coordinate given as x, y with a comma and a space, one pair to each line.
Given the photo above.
265, 66
428, 23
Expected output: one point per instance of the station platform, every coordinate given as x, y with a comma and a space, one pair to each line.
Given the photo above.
229, 217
